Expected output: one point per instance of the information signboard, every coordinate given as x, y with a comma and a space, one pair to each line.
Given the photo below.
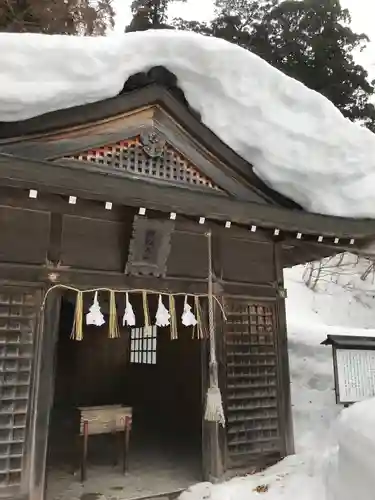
355, 374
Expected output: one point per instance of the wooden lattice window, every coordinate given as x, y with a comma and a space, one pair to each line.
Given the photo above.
147, 157
17, 325
252, 404
143, 345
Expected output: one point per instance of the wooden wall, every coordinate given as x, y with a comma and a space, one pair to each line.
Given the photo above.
85, 237
86, 245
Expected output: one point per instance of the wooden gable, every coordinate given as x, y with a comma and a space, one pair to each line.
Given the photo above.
144, 144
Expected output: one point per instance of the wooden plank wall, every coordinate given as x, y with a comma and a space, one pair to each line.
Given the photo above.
86, 245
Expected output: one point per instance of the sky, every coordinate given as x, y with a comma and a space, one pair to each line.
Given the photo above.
362, 12
363, 15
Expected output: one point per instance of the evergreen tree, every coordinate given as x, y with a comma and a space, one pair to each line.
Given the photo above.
149, 14
71, 17
309, 40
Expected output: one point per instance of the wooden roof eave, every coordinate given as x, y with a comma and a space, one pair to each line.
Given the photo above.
71, 180
308, 249
297, 255
12, 133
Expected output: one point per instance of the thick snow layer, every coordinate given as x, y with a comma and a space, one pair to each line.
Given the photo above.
298, 142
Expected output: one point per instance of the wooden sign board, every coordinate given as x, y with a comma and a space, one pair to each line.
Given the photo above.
355, 372
105, 419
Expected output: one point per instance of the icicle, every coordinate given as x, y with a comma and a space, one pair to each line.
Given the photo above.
77, 330
129, 317
95, 316
162, 314
172, 310
188, 318
113, 330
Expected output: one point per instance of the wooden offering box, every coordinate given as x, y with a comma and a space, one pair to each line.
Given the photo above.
103, 420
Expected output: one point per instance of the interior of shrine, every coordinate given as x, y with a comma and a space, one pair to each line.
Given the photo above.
159, 379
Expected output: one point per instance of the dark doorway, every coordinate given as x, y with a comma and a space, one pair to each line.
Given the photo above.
164, 390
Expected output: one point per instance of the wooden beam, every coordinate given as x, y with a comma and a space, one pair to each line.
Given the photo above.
285, 403
90, 184
299, 252
24, 273
34, 274
44, 366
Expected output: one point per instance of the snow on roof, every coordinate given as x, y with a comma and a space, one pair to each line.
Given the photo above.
297, 141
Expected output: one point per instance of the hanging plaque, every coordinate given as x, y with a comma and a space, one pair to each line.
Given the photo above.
149, 247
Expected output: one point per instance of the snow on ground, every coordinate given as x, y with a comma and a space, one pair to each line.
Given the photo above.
298, 142
320, 470
352, 469
342, 304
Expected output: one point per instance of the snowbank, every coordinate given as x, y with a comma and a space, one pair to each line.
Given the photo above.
298, 142
352, 470
295, 478
342, 304
343, 298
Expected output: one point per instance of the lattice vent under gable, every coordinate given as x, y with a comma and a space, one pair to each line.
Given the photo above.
134, 156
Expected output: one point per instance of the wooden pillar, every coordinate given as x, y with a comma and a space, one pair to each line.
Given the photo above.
43, 391
85, 443
214, 435
285, 404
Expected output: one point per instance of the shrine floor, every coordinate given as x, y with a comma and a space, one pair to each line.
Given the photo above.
154, 469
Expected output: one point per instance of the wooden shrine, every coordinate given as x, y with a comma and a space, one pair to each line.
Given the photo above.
120, 194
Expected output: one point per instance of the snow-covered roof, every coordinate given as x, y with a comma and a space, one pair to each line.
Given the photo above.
296, 140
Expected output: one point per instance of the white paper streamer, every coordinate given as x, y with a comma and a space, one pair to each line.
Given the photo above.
188, 318
95, 316
129, 316
162, 317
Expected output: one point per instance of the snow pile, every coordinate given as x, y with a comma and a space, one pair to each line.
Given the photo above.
293, 479
343, 295
298, 142
334, 458
341, 304
352, 468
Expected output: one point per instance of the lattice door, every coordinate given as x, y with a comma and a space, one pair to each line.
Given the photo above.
252, 407
17, 326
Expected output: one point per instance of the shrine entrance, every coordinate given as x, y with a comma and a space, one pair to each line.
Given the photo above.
157, 378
